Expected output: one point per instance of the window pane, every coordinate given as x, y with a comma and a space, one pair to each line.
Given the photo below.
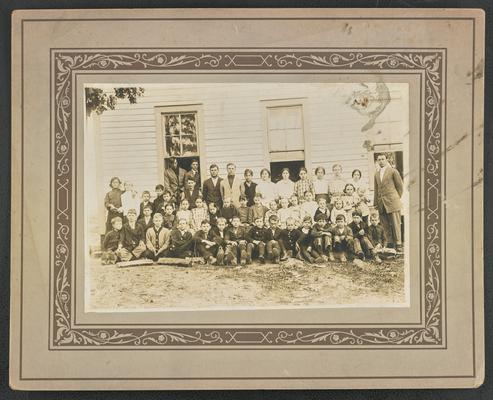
294, 139
277, 141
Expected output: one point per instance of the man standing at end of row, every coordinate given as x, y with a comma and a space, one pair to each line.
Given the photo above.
388, 193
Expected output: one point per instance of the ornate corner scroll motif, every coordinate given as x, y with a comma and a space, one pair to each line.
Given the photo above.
430, 63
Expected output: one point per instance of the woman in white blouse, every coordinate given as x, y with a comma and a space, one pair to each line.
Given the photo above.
337, 183
285, 187
321, 185
266, 187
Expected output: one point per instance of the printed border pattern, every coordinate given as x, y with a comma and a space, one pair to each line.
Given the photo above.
431, 63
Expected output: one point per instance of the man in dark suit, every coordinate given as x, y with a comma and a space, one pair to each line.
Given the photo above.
387, 200
211, 191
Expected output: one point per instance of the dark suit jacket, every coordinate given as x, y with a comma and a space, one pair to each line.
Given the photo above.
235, 236
388, 191
211, 193
276, 235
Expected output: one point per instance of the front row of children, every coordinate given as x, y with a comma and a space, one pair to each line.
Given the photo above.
232, 243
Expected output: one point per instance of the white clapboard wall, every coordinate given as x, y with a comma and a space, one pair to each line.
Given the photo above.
234, 128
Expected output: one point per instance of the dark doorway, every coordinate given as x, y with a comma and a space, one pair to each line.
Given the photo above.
183, 162
294, 169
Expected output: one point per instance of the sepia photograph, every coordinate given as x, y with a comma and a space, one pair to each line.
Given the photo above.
245, 195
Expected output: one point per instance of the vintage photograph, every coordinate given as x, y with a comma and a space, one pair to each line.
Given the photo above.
245, 195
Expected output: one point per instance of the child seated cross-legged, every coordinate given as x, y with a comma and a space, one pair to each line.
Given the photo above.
181, 240
257, 210
305, 243
134, 236
224, 254
342, 238
363, 248
204, 242
289, 238
113, 243
274, 245
322, 237
157, 239
236, 238
256, 236
199, 213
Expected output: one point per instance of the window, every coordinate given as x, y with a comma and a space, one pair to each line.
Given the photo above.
285, 129
180, 134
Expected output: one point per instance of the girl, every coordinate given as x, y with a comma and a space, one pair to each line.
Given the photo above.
350, 200
113, 202
184, 213
266, 187
284, 212
304, 184
213, 214
338, 209
296, 212
337, 183
321, 185
272, 211
285, 187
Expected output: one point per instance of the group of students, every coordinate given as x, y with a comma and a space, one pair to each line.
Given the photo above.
231, 223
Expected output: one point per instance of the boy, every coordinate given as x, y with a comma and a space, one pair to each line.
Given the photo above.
199, 213
309, 206
191, 193
322, 209
342, 238
158, 201
181, 240
243, 210
146, 201
273, 240
213, 214
169, 216
113, 243
256, 236
228, 211
271, 212
289, 238
248, 187
305, 243
376, 234
284, 212
146, 220
157, 239
236, 238
362, 244
257, 210
134, 236
322, 238
224, 252
204, 242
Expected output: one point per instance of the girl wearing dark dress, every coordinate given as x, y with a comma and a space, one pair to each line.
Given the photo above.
113, 202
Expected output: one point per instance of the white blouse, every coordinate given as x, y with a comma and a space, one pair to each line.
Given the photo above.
285, 188
268, 190
321, 186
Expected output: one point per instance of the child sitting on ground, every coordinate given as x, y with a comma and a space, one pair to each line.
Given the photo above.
363, 247
134, 236
157, 239
256, 236
224, 251
273, 241
322, 238
305, 243
204, 242
236, 238
181, 240
289, 238
113, 243
342, 237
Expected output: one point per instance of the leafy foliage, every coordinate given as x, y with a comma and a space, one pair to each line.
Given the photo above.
98, 101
